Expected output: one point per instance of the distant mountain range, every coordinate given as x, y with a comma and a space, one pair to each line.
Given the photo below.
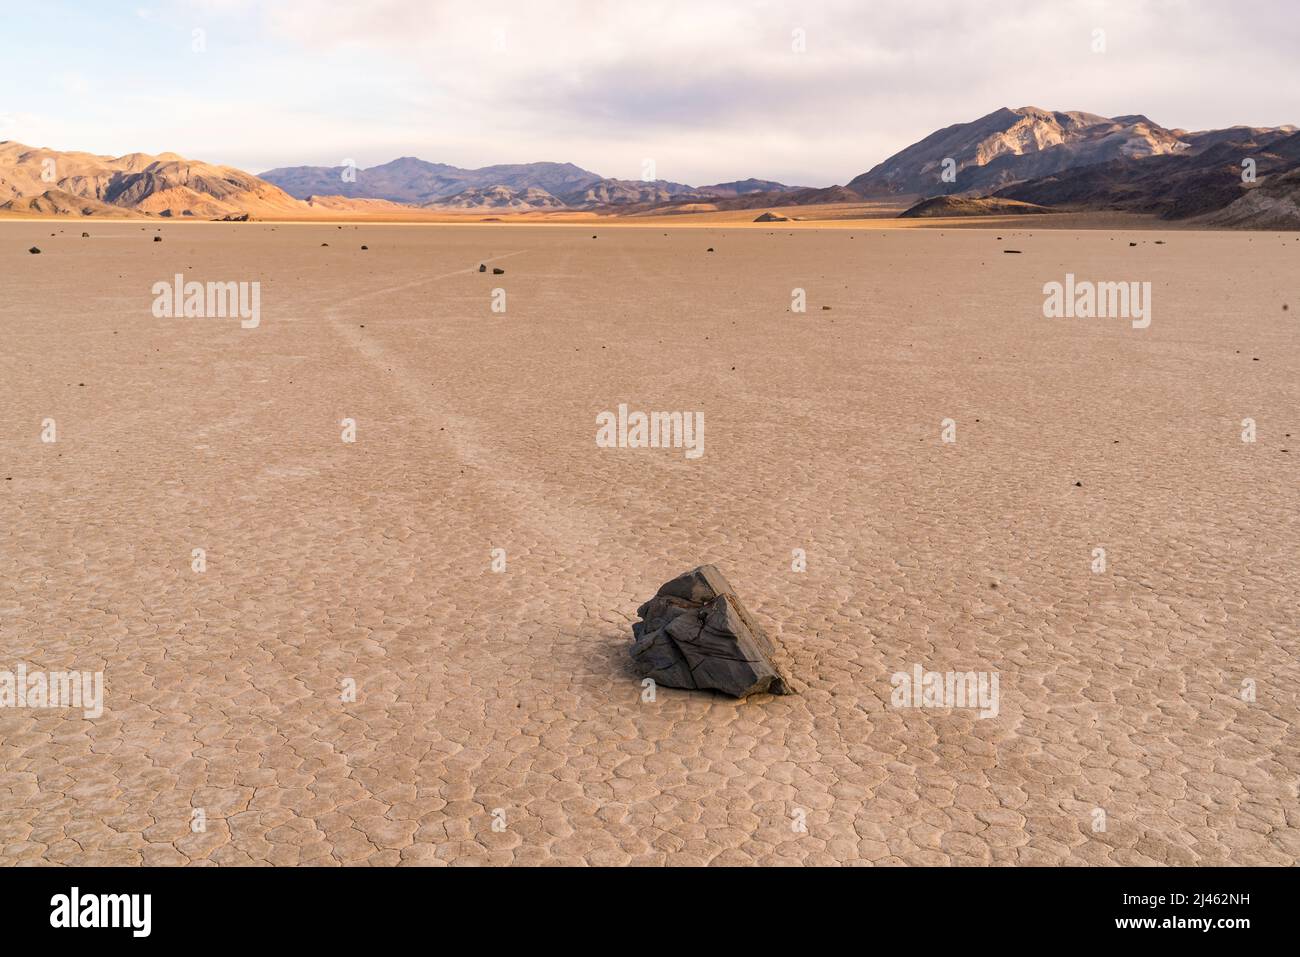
418, 182
1022, 160
1203, 178
531, 185
1009, 146
48, 182
501, 197
1050, 159
1082, 162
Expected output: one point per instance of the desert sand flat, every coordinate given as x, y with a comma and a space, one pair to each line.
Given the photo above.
507, 697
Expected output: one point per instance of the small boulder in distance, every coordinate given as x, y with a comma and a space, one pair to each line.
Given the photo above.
35, 250
770, 217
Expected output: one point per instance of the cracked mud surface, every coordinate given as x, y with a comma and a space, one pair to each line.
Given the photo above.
480, 692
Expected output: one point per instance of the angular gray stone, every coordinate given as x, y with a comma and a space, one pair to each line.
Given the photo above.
695, 634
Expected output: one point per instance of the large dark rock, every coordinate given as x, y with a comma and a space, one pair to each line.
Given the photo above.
695, 633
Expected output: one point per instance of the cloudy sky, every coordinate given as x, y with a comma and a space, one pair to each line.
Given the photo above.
810, 93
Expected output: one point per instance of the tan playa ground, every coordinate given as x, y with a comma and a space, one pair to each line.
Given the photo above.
479, 691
